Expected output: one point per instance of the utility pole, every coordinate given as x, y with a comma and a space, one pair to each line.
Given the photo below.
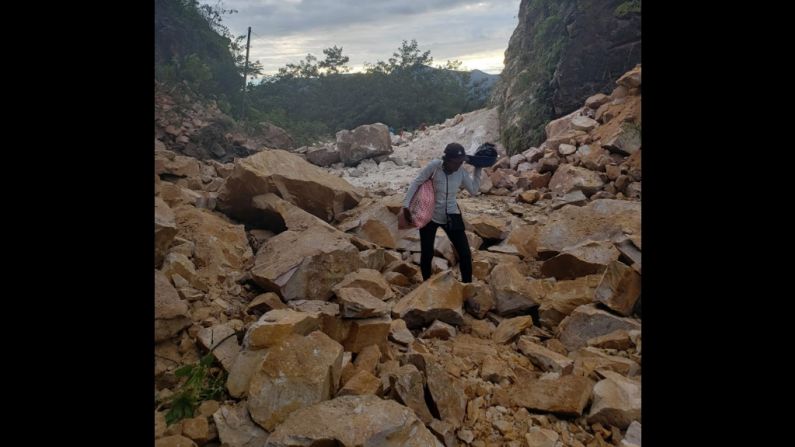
245, 72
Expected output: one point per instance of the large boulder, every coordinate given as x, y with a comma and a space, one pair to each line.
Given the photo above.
441, 297
600, 220
305, 265
569, 178
291, 178
365, 420
366, 141
220, 246
296, 373
587, 322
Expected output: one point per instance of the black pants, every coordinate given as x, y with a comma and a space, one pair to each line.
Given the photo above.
457, 237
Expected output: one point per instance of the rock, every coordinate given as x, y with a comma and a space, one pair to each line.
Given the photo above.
562, 297
591, 360
621, 182
633, 166
397, 279
559, 126
437, 264
495, 370
178, 267
379, 225
366, 141
546, 359
565, 396
439, 298
174, 441
583, 123
541, 437
567, 149
612, 171
290, 177
514, 160
594, 158
489, 227
404, 268
366, 332
359, 303
223, 343
160, 424
277, 215
510, 328
366, 360
619, 288
575, 197
370, 280
372, 259
296, 373
533, 154
588, 322
221, 247
197, 429
630, 252
171, 313
408, 386
323, 308
323, 156
512, 292
399, 333
208, 408
586, 258
596, 101
633, 190
246, 363
533, 180
630, 79
599, 220
444, 432
548, 165
439, 329
266, 302
274, 136
235, 427
633, 435
524, 167
447, 393
568, 178
616, 401
277, 325
180, 166
625, 140
361, 383
619, 340
531, 196
466, 435
165, 229
481, 302
305, 265
353, 421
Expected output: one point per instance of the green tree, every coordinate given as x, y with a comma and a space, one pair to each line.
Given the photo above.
334, 63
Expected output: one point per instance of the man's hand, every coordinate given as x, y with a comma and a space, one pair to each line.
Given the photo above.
407, 214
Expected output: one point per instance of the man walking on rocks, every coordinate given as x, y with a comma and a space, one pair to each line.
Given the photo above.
448, 177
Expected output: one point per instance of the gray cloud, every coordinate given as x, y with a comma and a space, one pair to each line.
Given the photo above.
284, 31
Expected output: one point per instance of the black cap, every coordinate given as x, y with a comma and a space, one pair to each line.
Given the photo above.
454, 150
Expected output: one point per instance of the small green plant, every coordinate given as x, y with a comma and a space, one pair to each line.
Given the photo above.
627, 8
204, 382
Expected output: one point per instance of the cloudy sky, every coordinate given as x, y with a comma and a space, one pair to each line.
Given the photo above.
284, 31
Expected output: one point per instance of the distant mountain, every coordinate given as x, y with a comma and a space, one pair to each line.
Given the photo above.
482, 81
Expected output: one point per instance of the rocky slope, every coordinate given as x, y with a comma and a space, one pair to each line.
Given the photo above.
310, 298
